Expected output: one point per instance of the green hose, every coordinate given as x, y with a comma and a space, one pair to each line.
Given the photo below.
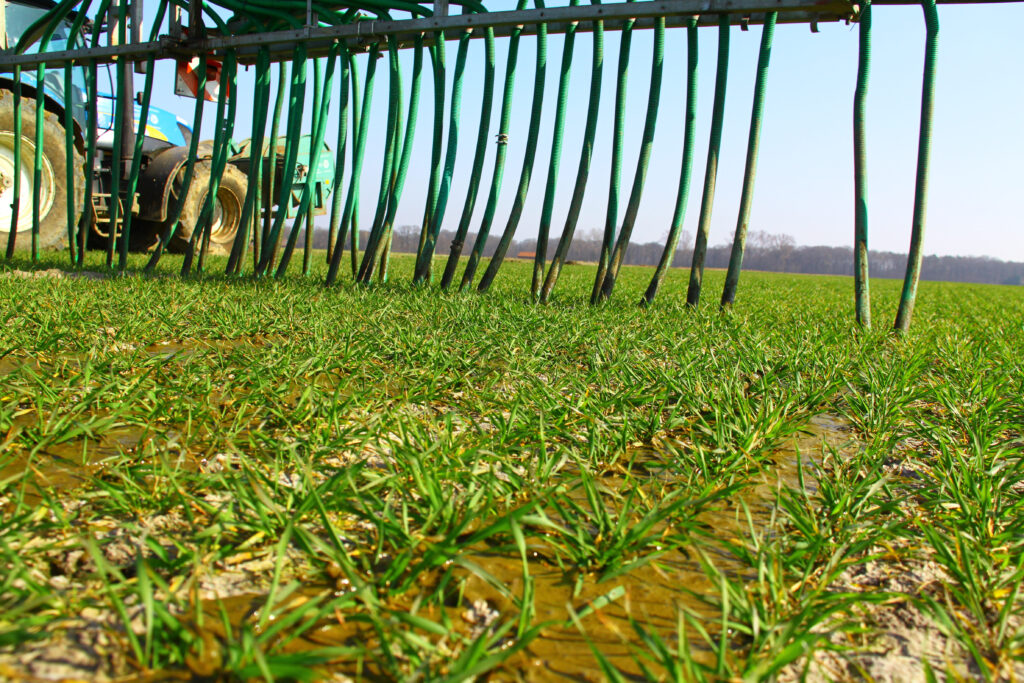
259, 126
382, 248
115, 155
393, 135
739, 240
612, 215
69, 163
689, 119
341, 143
37, 166
297, 98
862, 294
307, 252
91, 133
437, 58
711, 171
16, 194
283, 72
174, 215
140, 137
540, 256
924, 147
647, 142
222, 135
583, 172
425, 255
531, 153
359, 131
499, 159
356, 127
317, 142
487, 101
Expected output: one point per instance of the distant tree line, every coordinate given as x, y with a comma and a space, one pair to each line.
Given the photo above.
765, 251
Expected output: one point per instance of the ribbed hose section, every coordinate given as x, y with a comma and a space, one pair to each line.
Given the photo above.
428, 243
357, 162
583, 171
612, 215
437, 56
540, 256
499, 158
647, 141
861, 288
473, 190
528, 160
393, 128
685, 173
739, 240
700, 247
924, 148
341, 147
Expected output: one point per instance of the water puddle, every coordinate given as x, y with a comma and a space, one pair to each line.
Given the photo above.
485, 588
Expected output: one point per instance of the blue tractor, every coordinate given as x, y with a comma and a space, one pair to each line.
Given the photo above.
165, 152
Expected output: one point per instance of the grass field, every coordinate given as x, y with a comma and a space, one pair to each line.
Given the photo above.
246, 480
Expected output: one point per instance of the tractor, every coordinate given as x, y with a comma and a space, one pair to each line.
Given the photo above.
165, 153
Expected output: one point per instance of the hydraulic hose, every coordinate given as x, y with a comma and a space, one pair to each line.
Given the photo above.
711, 170
861, 288
739, 240
583, 172
487, 101
689, 120
924, 148
647, 142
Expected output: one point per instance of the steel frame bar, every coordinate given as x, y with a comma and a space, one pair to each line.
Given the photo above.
361, 34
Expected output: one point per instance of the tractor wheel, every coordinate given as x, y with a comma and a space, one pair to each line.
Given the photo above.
54, 194
227, 209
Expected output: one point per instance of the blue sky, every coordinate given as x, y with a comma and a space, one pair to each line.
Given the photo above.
804, 183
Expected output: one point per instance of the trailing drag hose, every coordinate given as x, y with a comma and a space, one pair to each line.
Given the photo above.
924, 148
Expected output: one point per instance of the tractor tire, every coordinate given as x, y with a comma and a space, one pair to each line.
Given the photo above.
54, 194
227, 210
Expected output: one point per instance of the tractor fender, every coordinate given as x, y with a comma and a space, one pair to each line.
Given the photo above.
156, 180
